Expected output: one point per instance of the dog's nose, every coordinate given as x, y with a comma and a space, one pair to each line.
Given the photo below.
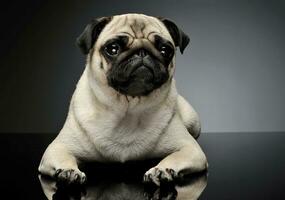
142, 53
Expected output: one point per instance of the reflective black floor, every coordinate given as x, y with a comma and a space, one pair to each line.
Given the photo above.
242, 166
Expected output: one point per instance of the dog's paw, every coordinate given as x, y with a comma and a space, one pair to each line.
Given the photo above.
160, 176
70, 176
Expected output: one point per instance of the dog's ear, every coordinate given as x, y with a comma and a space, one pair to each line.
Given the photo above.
180, 39
90, 34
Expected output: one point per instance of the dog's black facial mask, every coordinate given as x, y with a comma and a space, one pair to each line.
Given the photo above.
137, 71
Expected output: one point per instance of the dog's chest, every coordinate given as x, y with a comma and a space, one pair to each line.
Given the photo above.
130, 137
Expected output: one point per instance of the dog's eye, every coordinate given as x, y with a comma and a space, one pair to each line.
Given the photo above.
112, 49
165, 51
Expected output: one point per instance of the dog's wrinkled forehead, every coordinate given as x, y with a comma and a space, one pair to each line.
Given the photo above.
136, 27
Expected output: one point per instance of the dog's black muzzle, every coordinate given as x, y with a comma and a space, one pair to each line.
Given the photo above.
138, 75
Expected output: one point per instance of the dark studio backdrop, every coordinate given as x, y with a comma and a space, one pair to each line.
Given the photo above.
233, 72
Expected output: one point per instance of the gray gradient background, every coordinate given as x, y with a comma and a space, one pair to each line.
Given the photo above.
232, 72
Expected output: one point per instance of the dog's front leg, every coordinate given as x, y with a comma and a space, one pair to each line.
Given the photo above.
60, 164
187, 160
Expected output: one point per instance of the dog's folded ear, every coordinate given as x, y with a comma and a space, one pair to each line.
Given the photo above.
180, 39
90, 34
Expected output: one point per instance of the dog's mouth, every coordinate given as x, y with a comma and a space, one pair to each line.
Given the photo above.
137, 76
143, 72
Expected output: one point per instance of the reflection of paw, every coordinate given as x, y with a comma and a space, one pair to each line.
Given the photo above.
70, 176
160, 193
72, 192
165, 193
160, 175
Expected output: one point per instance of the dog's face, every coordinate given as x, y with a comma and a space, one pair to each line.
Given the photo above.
132, 53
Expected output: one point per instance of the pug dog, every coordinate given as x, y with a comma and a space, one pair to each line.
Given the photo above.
126, 105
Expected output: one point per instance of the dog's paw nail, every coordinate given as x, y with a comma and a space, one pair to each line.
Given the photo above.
83, 179
76, 177
171, 172
57, 172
